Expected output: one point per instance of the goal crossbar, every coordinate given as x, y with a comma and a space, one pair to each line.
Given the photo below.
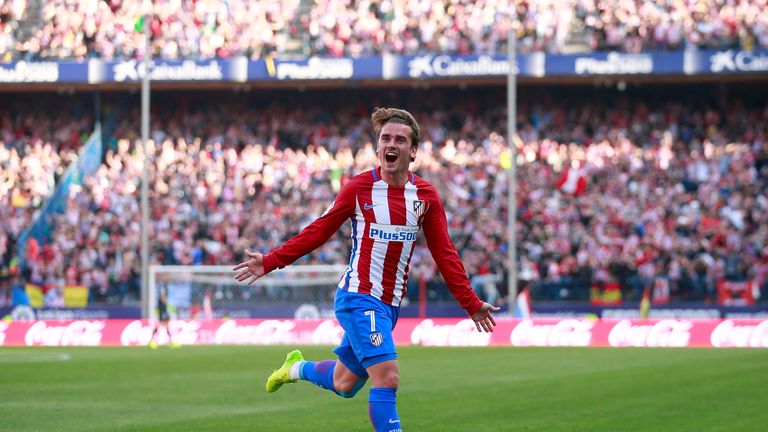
326, 274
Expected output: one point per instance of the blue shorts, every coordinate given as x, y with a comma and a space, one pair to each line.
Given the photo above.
367, 324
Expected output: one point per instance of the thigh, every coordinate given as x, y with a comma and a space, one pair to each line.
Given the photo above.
349, 359
344, 377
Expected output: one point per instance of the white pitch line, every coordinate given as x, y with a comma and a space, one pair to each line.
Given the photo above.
32, 358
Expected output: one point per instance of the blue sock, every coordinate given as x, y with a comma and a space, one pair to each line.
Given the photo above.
319, 373
383, 411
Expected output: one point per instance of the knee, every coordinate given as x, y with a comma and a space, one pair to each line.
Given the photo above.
385, 374
348, 389
391, 379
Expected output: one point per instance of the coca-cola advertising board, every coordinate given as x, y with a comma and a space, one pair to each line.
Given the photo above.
747, 333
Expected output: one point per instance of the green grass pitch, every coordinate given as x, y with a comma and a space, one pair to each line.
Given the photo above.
221, 388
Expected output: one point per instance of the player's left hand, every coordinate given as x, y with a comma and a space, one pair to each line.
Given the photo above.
483, 319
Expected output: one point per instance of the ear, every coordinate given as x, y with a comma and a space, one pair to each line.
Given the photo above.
414, 150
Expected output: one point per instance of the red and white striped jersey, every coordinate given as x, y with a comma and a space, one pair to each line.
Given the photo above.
385, 222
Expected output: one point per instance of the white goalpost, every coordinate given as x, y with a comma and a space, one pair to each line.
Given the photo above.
213, 292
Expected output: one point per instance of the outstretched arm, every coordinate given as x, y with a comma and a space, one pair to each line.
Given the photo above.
310, 238
449, 263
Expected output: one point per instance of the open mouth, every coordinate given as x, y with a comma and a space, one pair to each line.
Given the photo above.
390, 157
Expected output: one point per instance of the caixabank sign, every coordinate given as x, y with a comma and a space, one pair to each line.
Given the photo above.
726, 62
430, 66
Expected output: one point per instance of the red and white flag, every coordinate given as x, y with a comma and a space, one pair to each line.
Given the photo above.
573, 180
523, 304
207, 306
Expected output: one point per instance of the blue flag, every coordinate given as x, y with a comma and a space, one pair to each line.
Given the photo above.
86, 165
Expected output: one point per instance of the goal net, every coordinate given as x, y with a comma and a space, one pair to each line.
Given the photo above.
206, 292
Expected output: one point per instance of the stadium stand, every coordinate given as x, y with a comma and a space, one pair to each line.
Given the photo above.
61, 29
674, 184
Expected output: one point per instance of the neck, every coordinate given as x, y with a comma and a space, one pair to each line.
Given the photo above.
394, 179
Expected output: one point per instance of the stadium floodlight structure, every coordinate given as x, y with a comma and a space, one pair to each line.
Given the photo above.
512, 175
212, 291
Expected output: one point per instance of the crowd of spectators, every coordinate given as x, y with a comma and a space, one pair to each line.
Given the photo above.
36, 146
342, 28
675, 185
110, 29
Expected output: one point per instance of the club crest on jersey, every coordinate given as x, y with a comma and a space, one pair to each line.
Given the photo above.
376, 339
419, 208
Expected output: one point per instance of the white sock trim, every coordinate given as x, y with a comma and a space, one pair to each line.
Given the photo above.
295, 368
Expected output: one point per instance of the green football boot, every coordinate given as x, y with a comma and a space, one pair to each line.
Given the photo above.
282, 376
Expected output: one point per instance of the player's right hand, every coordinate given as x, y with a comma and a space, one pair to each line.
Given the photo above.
250, 269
